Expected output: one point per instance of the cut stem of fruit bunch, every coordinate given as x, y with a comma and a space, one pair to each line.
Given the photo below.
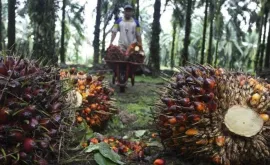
243, 121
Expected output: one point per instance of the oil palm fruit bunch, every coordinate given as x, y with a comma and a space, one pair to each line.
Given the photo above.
114, 53
215, 115
134, 150
30, 111
135, 53
97, 104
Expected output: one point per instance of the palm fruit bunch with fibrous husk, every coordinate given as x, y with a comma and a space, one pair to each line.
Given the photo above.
30, 112
114, 53
135, 53
216, 115
96, 108
97, 101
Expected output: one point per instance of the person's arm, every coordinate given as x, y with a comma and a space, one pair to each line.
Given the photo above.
115, 29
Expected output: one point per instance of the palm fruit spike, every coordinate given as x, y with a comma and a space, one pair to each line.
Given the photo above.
31, 99
93, 99
227, 115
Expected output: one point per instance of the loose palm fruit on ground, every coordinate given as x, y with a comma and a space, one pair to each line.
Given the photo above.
159, 162
134, 150
222, 116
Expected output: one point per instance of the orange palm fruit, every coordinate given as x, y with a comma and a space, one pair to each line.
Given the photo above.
82, 87
79, 119
172, 120
192, 132
87, 110
220, 140
265, 117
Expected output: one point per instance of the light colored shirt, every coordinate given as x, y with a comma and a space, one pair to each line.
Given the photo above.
128, 29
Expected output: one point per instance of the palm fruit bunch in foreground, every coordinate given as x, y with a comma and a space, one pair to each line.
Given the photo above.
133, 150
217, 115
96, 108
114, 53
30, 112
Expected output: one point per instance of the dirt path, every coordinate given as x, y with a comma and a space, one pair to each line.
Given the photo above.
135, 105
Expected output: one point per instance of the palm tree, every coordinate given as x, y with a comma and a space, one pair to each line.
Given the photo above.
165, 43
249, 51
11, 24
97, 32
212, 13
260, 25
154, 45
263, 40
74, 19
1, 26
173, 43
43, 17
108, 11
187, 32
138, 9
219, 28
267, 56
62, 55
204, 31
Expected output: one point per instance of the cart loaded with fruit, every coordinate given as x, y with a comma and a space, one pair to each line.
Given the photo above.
124, 64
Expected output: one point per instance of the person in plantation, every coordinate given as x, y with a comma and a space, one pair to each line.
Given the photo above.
129, 29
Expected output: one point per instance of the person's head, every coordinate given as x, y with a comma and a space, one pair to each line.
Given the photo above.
128, 11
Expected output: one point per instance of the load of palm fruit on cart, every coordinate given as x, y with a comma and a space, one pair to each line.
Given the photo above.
134, 53
215, 115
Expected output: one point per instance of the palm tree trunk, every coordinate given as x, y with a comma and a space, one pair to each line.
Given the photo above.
62, 56
210, 56
173, 44
218, 29
96, 33
44, 29
256, 62
263, 42
216, 54
138, 10
187, 32
11, 24
104, 35
267, 56
1, 42
154, 45
204, 31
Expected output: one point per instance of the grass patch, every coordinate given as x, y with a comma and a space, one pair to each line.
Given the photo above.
148, 79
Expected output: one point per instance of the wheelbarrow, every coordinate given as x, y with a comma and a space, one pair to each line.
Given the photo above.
122, 71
